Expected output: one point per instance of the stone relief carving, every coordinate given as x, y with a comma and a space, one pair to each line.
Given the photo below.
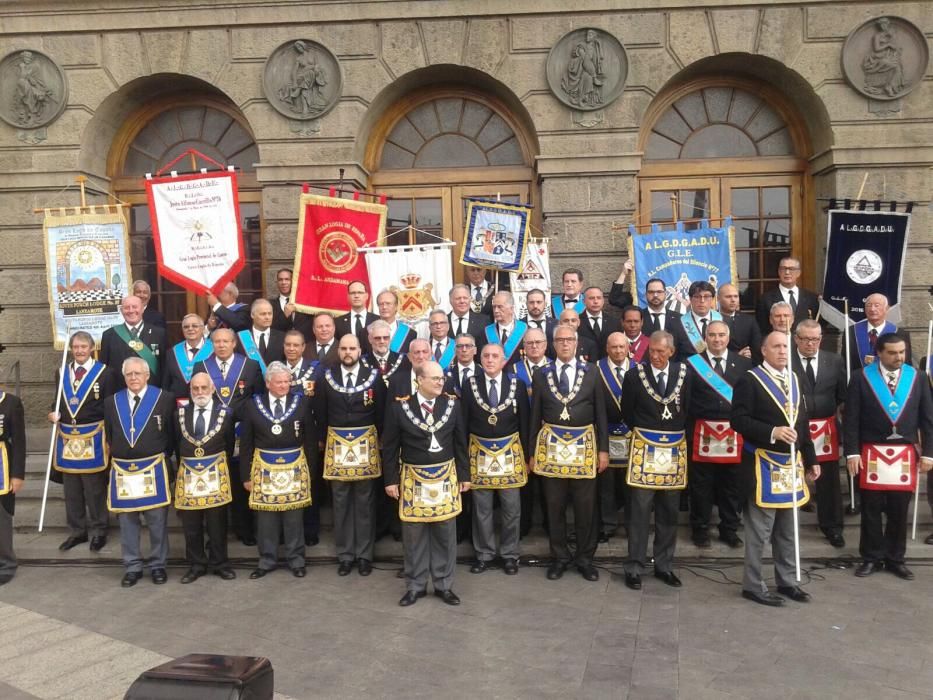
34, 90
885, 58
302, 80
586, 69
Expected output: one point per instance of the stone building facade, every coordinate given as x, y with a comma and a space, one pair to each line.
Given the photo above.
738, 107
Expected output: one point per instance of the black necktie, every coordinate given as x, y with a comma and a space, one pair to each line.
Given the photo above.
359, 326
349, 383
464, 375
811, 375
199, 428
793, 300
437, 350
620, 375
135, 403
279, 410
223, 369
539, 324
563, 384
321, 352
493, 393
505, 336
460, 326
662, 384
595, 325
703, 329
193, 351
718, 367
262, 344
657, 324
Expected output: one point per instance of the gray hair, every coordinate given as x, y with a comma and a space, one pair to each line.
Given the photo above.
277, 367
781, 305
379, 325
663, 335
457, 286
507, 296
231, 287
129, 361
84, 337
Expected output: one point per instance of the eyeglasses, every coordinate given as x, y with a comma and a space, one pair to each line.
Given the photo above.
463, 346
704, 297
785, 268
808, 340
438, 323
534, 342
655, 291
565, 340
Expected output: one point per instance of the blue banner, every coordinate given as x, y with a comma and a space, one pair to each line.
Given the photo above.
680, 257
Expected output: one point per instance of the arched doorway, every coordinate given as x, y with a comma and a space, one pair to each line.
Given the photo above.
731, 147
152, 137
435, 147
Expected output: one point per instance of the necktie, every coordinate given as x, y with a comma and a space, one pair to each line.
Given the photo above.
321, 352
349, 383
460, 326
464, 376
539, 324
135, 403
505, 336
703, 329
477, 294
134, 331
563, 384
783, 383
262, 344
718, 367
383, 365
793, 300
569, 302
620, 375
278, 410
428, 412
595, 325
193, 351
872, 338
662, 384
359, 325
437, 350
223, 369
892, 381
79, 373
493, 393
199, 428
657, 323
811, 375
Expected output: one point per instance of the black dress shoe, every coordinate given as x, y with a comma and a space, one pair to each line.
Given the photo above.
72, 542
448, 597
225, 572
479, 566
131, 578
633, 581
98, 542
300, 572
731, 539
159, 576
603, 537
397, 536
312, 540
795, 593
867, 568
929, 539
668, 577
589, 572
191, 575
248, 540
5, 580
899, 570
556, 570
836, 540
344, 568
258, 573
763, 598
366, 567
400, 573
701, 540
510, 567
411, 597
809, 508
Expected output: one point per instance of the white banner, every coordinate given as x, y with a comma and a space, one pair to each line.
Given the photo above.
196, 229
535, 274
88, 266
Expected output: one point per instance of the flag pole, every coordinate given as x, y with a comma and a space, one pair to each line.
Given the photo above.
792, 419
913, 533
845, 338
48, 464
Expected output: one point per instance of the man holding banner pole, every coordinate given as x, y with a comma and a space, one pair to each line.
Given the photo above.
228, 312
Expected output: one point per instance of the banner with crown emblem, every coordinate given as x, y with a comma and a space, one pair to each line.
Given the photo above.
331, 235
420, 275
534, 274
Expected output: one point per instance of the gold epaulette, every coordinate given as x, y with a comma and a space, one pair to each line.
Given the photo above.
403, 398
451, 396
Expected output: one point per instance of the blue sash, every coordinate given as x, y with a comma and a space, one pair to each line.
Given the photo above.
398, 338
862, 342
892, 404
249, 347
134, 424
186, 364
557, 305
81, 449
708, 374
448, 354
775, 479
693, 331
512, 342
5, 481
610, 380
138, 484
777, 394
74, 398
223, 388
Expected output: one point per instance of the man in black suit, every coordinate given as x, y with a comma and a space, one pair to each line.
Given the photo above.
262, 340
771, 417
744, 334
506, 330
823, 380
13, 436
804, 303
611, 483
715, 449
657, 316
595, 323
323, 345
405, 381
381, 358
567, 400
303, 371
425, 442
181, 358
654, 404
480, 291
689, 330
864, 334
400, 333
85, 387
357, 320
442, 345
202, 486
572, 293
586, 347
889, 419
619, 296
537, 317
278, 449
633, 321
284, 315
226, 311
133, 338
139, 425
462, 317
151, 315
465, 365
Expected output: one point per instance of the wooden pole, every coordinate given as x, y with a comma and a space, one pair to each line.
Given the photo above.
792, 419
58, 400
81, 179
674, 206
862, 188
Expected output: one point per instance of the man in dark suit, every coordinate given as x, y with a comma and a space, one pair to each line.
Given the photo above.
180, 360
823, 380
480, 291
400, 333
323, 345
619, 296
425, 441
86, 385
715, 450
443, 346
226, 311
537, 317
571, 281
405, 381
657, 316
889, 419
771, 417
506, 330
611, 483
278, 450
139, 425
462, 317
381, 358
586, 347
133, 338
357, 320
689, 330
655, 397
744, 334
284, 315
464, 366
261, 340
567, 399
151, 315
804, 303
13, 436
304, 372
595, 323
864, 335
205, 448
633, 322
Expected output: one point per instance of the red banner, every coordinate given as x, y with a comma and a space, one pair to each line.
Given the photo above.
331, 232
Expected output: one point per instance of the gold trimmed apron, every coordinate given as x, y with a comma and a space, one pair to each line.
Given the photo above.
774, 480
138, 484
566, 453
658, 460
281, 480
6, 484
497, 463
203, 482
430, 493
81, 448
352, 454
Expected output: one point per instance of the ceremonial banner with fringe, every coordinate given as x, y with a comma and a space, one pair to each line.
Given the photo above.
420, 275
331, 232
534, 274
495, 235
196, 229
680, 257
88, 266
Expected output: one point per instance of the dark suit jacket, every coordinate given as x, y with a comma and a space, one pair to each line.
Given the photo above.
113, 351
238, 320
829, 394
342, 410
331, 357
223, 441
400, 382
808, 306
744, 331
275, 348
855, 359
706, 402
454, 375
157, 436
641, 411
172, 378
249, 383
475, 327
300, 321
649, 325
298, 431
588, 406
344, 326
393, 364
608, 325
13, 434
619, 297
92, 410
509, 421
154, 316
587, 350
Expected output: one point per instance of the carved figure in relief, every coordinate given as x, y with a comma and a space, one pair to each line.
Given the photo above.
31, 92
584, 75
305, 89
884, 72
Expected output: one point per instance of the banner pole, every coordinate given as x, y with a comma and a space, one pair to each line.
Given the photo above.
48, 464
913, 533
845, 338
792, 419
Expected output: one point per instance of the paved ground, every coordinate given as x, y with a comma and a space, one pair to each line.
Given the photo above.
71, 631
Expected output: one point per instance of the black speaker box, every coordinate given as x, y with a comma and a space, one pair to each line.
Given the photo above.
206, 677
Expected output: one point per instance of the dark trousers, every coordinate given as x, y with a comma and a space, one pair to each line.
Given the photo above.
311, 520
532, 494
585, 512
86, 503
354, 536
465, 518
829, 499
884, 542
243, 519
717, 484
666, 512
613, 493
287, 524
7, 556
387, 521
198, 523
